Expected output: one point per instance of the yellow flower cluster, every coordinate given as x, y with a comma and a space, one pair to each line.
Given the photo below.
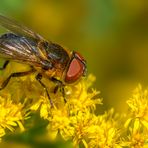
11, 115
76, 120
73, 118
138, 105
137, 119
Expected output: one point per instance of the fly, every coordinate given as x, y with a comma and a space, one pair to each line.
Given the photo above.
49, 59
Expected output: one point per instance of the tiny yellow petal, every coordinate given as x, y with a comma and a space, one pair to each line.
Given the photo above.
145, 123
136, 125
85, 143
11, 123
127, 122
21, 126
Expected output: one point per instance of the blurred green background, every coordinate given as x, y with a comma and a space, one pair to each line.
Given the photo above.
111, 34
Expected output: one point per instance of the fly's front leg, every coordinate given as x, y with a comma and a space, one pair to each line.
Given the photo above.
39, 77
60, 86
17, 74
63, 92
5, 65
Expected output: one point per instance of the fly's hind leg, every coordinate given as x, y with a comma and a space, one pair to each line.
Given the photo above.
39, 77
5, 65
17, 74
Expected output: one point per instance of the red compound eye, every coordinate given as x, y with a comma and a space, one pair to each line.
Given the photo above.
75, 71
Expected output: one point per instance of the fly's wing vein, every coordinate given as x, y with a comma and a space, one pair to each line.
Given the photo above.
19, 49
23, 49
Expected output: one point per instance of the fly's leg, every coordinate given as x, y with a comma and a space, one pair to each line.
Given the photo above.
17, 74
39, 77
63, 93
60, 86
5, 65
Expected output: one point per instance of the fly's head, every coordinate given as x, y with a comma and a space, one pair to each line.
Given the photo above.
76, 68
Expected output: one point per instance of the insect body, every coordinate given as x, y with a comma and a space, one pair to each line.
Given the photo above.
47, 58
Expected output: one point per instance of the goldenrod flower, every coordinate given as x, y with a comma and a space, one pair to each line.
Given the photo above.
105, 132
68, 118
11, 115
138, 107
82, 123
59, 121
136, 140
73, 118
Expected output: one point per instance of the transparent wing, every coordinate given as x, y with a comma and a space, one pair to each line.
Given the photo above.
18, 29
20, 49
